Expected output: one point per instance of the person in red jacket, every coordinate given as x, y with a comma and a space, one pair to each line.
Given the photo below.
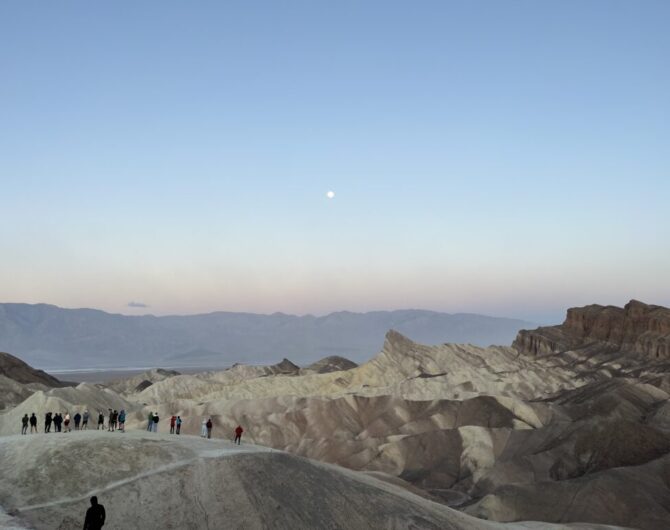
173, 421
238, 434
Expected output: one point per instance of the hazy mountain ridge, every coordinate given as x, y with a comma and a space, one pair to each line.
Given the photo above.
53, 337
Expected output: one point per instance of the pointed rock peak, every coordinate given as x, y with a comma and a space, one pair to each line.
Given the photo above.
286, 366
395, 340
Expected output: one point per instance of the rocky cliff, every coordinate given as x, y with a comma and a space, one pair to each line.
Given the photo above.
15, 369
637, 328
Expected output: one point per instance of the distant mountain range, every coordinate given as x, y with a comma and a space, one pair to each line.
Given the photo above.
52, 337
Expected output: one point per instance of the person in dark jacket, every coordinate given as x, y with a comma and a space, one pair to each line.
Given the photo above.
24, 424
209, 426
77, 421
33, 423
101, 421
58, 421
47, 422
178, 424
238, 435
95, 515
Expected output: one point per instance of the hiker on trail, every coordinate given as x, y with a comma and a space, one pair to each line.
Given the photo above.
173, 422
150, 422
113, 420
101, 421
77, 421
203, 429
47, 422
84, 423
238, 435
178, 424
66, 422
122, 420
24, 424
58, 421
33, 423
95, 515
209, 427
156, 418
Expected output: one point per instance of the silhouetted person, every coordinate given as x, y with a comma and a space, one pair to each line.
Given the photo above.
178, 422
33, 423
238, 435
24, 424
156, 418
84, 423
47, 422
101, 421
77, 421
209, 427
58, 421
95, 515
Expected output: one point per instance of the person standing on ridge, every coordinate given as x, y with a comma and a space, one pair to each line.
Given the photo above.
47, 422
173, 422
33, 423
77, 421
156, 418
58, 421
209, 428
95, 515
122, 420
150, 422
101, 421
84, 423
66, 422
238, 435
24, 424
178, 424
203, 428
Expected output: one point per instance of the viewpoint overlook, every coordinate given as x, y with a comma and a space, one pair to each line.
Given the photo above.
568, 425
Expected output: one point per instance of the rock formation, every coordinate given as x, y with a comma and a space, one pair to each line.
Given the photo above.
15, 369
637, 328
571, 425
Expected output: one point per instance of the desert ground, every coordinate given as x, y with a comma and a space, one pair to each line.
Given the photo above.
568, 426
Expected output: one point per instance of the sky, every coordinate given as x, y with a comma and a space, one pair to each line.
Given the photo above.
508, 158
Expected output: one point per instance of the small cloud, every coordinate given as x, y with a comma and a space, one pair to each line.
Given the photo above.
137, 304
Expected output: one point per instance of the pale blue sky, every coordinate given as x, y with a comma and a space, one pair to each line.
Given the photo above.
502, 157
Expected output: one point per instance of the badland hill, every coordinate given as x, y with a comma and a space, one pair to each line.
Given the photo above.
571, 425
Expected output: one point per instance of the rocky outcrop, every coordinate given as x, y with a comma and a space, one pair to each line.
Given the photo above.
334, 363
15, 369
637, 328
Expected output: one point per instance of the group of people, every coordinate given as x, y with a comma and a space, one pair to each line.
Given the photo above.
57, 419
116, 421
62, 422
152, 422
206, 430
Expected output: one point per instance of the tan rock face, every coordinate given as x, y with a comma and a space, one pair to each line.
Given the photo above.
637, 328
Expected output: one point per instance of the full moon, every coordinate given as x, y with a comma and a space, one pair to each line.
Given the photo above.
330, 194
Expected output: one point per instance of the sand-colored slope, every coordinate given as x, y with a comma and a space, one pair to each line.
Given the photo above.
158, 481
404, 368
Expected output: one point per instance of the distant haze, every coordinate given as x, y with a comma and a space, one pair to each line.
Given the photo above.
50, 337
